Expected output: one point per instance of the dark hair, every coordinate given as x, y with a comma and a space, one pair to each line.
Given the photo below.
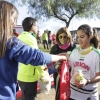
14, 30
6, 11
27, 23
66, 31
49, 32
89, 30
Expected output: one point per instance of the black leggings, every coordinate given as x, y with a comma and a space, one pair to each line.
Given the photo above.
29, 90
55, 77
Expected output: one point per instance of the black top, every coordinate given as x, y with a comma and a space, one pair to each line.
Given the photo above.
56, 50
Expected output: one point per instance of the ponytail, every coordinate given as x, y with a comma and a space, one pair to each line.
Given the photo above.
95, 40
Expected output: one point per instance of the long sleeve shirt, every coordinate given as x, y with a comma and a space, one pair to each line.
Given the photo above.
17, 51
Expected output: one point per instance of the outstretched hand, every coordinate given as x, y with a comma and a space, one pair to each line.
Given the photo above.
56, 58
64, 54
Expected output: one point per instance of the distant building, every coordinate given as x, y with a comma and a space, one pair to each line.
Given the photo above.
73, 32
19, 28
98, 29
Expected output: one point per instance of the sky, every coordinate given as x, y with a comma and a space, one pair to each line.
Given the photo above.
54, 24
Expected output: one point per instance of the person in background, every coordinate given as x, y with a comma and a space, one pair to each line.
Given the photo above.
28, 75
49, 39
15, 33
45, 40
54, 39
64, 44
38, 38
85, 65
13, 51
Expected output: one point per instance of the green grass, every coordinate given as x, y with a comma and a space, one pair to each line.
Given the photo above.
44, 50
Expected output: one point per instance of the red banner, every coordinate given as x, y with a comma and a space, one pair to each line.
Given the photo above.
64, 81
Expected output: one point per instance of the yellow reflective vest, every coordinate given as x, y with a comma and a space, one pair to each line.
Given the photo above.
29, 73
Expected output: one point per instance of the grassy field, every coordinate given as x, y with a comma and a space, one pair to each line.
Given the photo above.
44, 50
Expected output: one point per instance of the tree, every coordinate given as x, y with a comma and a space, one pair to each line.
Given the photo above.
64, 10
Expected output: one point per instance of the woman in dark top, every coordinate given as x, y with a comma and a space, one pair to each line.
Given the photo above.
64, 44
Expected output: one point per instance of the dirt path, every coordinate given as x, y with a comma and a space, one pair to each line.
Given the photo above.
42, 96
51, 95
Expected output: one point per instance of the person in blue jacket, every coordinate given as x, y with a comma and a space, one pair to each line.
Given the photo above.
12, 51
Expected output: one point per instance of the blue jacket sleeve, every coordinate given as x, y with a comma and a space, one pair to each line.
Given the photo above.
23, 53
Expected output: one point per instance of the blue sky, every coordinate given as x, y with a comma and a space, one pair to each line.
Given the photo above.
54, 24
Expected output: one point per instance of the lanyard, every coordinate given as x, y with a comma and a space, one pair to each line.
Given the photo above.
84, 52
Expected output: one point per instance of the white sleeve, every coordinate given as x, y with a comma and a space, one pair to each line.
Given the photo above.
97, 67
70, 59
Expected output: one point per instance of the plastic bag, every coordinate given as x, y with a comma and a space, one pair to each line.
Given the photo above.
64, 81
45, 82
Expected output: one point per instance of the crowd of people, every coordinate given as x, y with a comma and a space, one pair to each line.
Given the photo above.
46, 39
22, 61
